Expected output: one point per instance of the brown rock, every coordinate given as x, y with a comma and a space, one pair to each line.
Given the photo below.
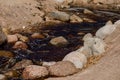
34, 71
63, 68
11, 74
88, 20
6, 54
22, 64
22, 38
12, 38
37, 35
59, 41
75, 18
20, 44
86, 11
2, 36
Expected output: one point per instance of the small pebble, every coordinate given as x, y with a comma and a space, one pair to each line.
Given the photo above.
20, 45
37, 35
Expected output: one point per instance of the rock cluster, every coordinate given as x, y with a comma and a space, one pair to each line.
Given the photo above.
93, 45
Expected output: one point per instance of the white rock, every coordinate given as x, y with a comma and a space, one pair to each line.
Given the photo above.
77, 58
98, 47
117, 23
86, 51
106, 30
92, 46
109, 23
89, 42
88, 35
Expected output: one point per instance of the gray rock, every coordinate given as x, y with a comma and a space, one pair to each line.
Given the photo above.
34, 72
62, 16
2, 36
77, 58
59, 41
63, 68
